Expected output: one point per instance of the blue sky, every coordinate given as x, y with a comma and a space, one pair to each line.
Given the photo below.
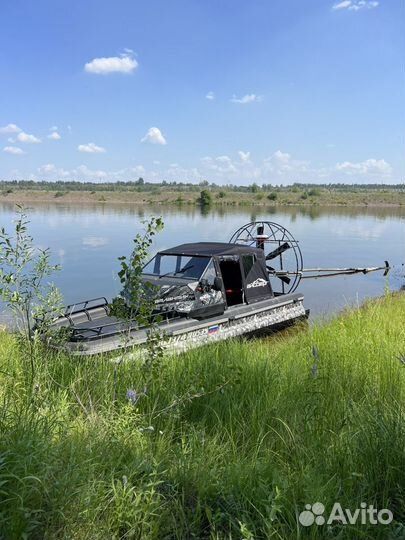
271, 91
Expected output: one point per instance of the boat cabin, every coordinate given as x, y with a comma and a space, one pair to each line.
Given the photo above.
206, 278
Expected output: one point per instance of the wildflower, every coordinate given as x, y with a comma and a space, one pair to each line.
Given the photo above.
132, 396
149, 429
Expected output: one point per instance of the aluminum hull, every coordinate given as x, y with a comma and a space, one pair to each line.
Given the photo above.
95, 332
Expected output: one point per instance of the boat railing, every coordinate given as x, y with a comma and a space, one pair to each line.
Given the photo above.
119, 324
84, 305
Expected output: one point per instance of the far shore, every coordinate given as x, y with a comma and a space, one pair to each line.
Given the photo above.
223, 199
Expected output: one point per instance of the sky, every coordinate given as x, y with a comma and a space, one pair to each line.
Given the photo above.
265, 91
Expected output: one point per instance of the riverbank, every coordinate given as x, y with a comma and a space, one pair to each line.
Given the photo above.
218, 198
225, 442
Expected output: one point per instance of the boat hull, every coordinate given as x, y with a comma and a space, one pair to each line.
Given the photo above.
186, 333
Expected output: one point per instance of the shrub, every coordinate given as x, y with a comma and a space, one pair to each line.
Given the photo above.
272, 196
205, 198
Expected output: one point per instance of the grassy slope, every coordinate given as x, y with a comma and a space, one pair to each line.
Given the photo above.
322, 196
244, 435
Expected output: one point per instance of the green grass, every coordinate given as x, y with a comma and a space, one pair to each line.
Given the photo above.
243, 435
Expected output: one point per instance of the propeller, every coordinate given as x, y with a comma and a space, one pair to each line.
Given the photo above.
278, 251
284, 279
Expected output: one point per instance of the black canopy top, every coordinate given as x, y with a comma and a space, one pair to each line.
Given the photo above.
210, 249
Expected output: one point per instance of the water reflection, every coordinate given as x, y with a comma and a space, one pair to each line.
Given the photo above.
313, 212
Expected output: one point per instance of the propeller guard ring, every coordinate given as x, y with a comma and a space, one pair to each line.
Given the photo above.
275, 240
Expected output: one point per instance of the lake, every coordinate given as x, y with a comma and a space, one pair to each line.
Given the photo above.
87, 240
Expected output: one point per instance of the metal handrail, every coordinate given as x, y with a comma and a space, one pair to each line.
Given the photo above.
71, 310
76, 332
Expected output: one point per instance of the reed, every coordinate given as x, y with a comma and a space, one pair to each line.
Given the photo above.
225, 442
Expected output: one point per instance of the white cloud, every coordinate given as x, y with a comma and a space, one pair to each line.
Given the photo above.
10, 128
91, 148
342, 5
154, 136
248, 98
210, 95
369, 166
125, 63
244, 156
13, 150
53, 172
355, 5
83, 171
54, 136
49, 169
27, 138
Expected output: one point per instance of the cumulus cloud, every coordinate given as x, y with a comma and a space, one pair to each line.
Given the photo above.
83, 171
280, 167
125, 63
27, 138
369, 166
154, 136
91, 148
248, 98
51, 171
10, 128
355, 5
210, 95
244, 156
13, 150
54, 136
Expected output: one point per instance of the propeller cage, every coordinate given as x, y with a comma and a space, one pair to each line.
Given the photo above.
281, 251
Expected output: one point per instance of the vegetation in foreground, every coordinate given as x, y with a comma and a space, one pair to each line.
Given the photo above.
225, 442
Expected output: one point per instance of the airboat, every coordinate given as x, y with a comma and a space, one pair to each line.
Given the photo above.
206, 292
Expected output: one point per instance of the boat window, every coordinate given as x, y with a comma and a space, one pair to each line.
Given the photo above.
247, 262
210, 273
181, 266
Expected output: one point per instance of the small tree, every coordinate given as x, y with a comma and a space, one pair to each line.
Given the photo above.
205, 198
23, 285
137, 302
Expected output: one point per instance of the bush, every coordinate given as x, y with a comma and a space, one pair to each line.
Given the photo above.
272, 196
314, 192
221, 195
205, 198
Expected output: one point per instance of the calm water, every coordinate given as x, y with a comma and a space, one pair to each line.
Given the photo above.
86, 241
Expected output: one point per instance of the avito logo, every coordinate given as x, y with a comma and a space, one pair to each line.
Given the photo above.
366, 514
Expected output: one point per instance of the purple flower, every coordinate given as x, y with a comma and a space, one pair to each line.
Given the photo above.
132, 396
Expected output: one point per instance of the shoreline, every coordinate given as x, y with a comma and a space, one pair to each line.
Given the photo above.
183, 199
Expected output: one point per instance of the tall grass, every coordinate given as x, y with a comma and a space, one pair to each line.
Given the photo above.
226, 442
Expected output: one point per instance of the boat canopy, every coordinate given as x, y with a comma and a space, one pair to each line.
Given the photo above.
210, 249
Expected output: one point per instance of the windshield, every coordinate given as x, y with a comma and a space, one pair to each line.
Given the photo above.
181, 266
